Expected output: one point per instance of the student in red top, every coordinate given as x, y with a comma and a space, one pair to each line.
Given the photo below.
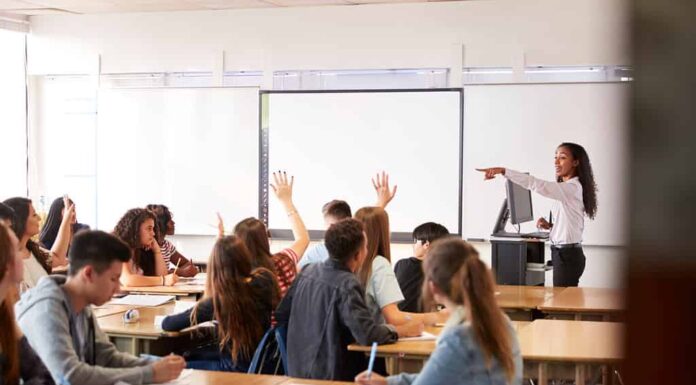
255, 236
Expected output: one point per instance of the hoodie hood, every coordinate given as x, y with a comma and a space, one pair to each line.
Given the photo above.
49, 288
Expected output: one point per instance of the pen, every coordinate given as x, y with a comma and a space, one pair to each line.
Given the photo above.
373, 353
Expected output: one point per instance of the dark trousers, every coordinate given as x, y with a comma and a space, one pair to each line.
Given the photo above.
568, 266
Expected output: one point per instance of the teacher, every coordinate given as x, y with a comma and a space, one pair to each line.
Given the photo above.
575, 193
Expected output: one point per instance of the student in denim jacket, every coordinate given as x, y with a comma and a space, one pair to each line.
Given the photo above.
478, 344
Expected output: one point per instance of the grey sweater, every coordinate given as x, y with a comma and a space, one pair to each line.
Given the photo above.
47, 320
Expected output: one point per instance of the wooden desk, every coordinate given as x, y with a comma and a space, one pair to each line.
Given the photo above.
577, 302
577, 342
107, 309
136, 337
519, 302
410, 356
203, 377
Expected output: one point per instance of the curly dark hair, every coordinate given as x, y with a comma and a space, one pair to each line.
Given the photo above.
586, 177
128, 230
163, 217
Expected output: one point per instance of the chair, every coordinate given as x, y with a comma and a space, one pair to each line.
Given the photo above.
267, 359
281, 335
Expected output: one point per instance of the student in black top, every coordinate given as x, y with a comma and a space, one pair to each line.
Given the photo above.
409, 271
240, 299
50, 228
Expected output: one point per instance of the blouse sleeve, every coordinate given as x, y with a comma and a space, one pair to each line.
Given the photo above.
559, 191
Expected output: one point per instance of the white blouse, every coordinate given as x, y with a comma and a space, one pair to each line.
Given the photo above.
568, 211
33, 272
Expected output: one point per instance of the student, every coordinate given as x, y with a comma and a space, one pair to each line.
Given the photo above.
7, 215
166, 226
333, 212
239, 299
255, 237
377, 277
409, 271
575, 193
137, 228
18, 361
50, 228
478, 344
325, 311
337, 210
38, 262
69, 341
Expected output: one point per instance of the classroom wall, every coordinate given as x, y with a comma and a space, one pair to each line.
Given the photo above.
412, 35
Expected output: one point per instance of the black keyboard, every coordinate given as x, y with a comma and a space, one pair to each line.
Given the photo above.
538, 234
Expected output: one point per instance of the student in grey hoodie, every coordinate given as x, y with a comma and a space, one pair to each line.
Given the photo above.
57, 319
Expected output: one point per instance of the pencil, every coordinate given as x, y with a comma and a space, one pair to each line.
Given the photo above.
177, 266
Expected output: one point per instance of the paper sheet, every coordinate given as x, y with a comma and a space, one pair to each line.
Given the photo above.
143, 300
423, 337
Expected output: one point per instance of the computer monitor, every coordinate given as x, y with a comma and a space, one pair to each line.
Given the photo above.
519, 201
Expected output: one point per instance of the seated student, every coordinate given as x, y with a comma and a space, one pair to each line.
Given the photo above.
18, 361
325, 311
409, 271
54, 219
240, 299
255, 237
69, 341
137, 228
333, 212
377, 277
166, 226
337, 210
478, 344
38, 262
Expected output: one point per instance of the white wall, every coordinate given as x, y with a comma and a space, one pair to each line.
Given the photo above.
446, 34
492, 33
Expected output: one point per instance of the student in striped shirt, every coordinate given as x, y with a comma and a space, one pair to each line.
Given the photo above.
255, 236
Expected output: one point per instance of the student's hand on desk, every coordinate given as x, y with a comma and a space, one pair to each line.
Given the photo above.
371, 379
168, 368
381, 184
410, 329
542, 223
281, 187
170, 279
491, 172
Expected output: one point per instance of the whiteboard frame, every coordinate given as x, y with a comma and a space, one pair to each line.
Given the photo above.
318, 235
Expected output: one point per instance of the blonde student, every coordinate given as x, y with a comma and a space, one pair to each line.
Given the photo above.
138, 229
478, 344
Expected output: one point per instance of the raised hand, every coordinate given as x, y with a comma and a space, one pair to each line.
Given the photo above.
68, 210
491, 172
220, 225
281, 187
381, 184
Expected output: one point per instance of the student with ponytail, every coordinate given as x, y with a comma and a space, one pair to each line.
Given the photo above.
478, 344
240, 299
575, 192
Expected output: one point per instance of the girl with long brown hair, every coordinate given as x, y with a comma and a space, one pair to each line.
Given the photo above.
39, 262
138, 229
478, 344
18, 361
255, 236
376, 275
240, 299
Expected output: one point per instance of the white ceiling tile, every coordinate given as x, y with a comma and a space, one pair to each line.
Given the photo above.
233, 4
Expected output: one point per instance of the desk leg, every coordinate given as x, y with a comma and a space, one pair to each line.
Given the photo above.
580, 374
543, 375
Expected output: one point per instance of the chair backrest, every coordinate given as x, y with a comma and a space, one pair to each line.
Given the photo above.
266, 359
281, 335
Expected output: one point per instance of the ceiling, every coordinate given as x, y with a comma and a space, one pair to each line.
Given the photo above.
45, 7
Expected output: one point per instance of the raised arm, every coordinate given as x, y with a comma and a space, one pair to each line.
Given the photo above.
555, 190
59, 251
283, 191
381, 184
